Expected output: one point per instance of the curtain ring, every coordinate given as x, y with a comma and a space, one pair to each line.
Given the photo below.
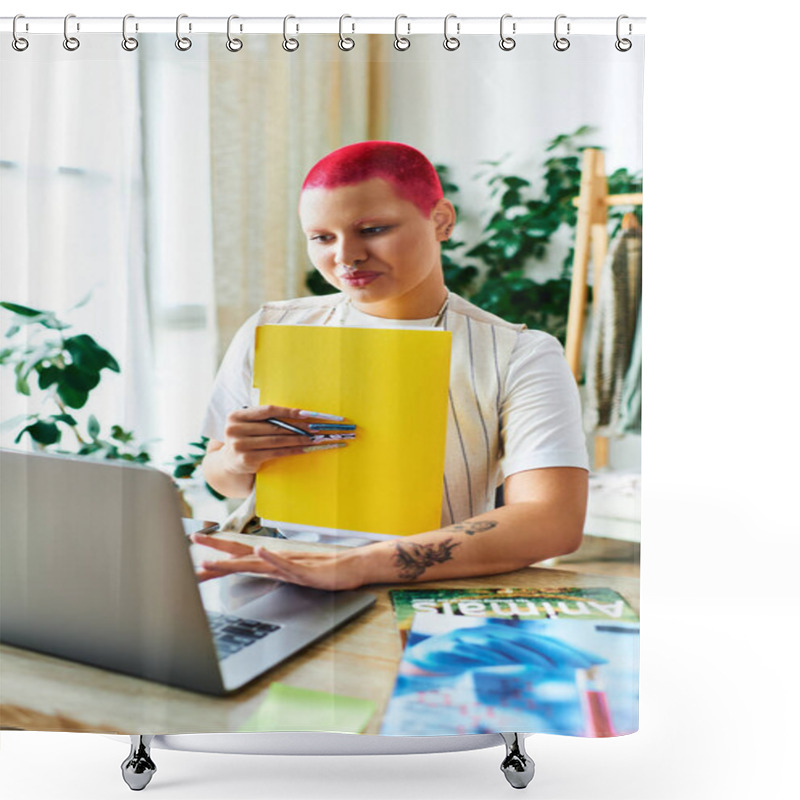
129, 43
289, 44
400, 42
623, 45
561, 43
507, 42
345, 42
233, 45
181, 42
451, 42
70, 42
17, 42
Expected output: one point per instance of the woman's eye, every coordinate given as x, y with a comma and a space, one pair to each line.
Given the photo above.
321, 237
375, 229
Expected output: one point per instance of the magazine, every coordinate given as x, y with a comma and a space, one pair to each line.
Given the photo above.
507, 660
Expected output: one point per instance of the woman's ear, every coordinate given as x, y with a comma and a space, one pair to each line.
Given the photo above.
443, 217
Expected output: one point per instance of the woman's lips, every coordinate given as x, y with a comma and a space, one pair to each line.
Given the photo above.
360, 279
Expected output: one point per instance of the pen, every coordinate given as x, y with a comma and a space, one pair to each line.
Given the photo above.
287, 427
320, 415
331, 427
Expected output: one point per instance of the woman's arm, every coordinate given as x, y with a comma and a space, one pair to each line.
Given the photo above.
543, 517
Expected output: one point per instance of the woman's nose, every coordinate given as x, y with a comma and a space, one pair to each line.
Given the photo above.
350, 252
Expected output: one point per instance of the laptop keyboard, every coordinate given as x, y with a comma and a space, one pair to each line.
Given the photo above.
232, 633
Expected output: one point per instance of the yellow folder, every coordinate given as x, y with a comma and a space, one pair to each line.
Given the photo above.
393, 384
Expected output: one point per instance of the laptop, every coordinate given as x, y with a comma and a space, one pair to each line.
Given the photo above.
95, 567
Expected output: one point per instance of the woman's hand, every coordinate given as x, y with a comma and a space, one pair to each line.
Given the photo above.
251, 441
329, 571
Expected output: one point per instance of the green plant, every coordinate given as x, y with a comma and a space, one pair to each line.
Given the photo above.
66, 369
519, 231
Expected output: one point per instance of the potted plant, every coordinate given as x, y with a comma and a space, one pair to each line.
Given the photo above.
64, 369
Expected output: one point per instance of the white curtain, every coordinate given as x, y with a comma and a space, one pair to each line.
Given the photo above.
177, 170
105, 189
72, 199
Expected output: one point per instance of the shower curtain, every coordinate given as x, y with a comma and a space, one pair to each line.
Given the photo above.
150, 200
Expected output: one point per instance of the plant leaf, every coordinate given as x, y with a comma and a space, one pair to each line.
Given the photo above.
48, 376
45, 433
52, 322
23, 311
12, 422
93, 426
21, 382
71, 396
184, 470
121, 435
79, 378
83, 301
88, 355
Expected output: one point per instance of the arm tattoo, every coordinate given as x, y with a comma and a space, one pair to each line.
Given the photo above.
471, 528
412, 560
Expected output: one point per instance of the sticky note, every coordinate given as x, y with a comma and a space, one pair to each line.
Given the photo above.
287, 708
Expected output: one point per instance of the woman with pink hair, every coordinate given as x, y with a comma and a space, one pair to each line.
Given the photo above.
375, 216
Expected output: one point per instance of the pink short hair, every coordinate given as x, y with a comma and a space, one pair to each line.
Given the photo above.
413, 177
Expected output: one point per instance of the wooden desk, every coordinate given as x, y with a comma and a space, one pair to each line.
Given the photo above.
39, 692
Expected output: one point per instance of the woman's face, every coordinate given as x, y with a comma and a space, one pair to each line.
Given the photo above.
377, 248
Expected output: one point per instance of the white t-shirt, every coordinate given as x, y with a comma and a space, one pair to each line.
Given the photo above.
542, 423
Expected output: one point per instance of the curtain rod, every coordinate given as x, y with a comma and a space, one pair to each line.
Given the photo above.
351, 24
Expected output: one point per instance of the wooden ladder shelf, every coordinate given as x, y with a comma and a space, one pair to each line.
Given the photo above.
591, 243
